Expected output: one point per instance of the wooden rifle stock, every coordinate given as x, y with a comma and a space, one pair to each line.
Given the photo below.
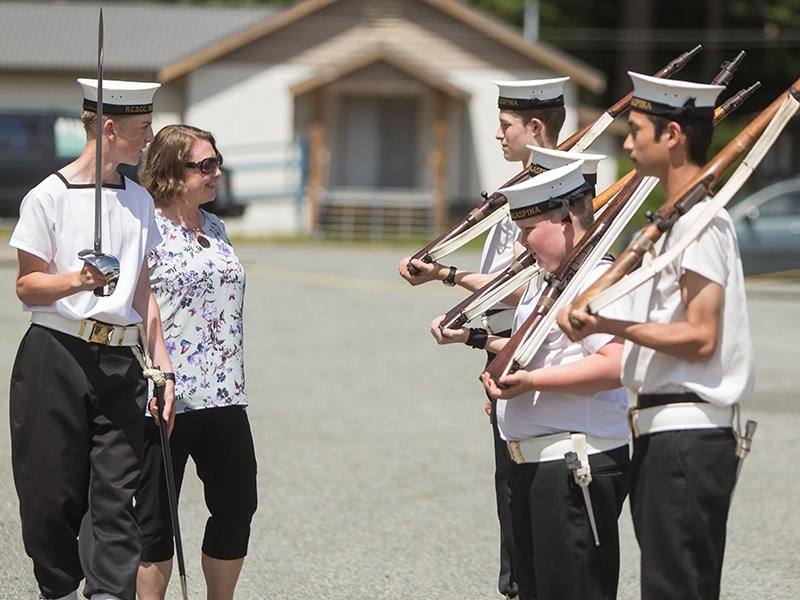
493, 201
505, 362
680, 203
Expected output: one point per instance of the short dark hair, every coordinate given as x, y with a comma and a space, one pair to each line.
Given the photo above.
583, 210
89, 121
698, 135
552, 119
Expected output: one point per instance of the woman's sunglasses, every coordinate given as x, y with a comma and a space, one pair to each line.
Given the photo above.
207, 166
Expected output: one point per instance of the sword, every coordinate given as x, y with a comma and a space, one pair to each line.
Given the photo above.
172, 495
107, 264
583, 477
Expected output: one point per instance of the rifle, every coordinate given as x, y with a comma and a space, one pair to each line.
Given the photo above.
564, 282
491, 202
523, 267
516, 274
679, 204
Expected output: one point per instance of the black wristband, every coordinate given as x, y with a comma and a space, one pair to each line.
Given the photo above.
477, 338
450, 280
169, 376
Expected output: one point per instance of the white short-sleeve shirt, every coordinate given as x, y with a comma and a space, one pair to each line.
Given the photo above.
729, 376
57, 221
535, 414
498, 249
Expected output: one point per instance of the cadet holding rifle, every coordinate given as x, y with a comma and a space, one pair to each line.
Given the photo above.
688, 357
531, 113
562, 416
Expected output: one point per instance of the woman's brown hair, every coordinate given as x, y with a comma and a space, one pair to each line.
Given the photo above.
164, 163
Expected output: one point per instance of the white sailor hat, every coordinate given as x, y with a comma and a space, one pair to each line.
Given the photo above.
546, 159
119, 97
673, 98
533, 93
557, 188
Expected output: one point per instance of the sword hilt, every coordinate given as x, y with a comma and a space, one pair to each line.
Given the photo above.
105, 263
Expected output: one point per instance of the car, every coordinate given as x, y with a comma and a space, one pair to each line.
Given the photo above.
768, 228
34, 144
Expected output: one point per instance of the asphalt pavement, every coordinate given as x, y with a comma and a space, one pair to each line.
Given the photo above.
375, 456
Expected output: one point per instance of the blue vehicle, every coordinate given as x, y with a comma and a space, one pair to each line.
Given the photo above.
768, 227
32, 146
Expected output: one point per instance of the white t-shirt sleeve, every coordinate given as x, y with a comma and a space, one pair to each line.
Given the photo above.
34, 232
705, 255
153, 234
620, 309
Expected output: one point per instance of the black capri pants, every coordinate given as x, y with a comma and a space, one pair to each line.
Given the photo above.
220, 443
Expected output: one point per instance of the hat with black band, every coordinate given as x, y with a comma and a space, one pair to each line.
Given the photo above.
534, 94
674, 99
119, 97
547, 159
557, 188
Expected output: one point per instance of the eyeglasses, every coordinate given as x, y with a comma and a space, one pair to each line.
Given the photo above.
207, 166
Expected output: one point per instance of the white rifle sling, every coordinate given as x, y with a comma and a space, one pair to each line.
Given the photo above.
490, 299
529, 347
701, 221
594, 132
454, 243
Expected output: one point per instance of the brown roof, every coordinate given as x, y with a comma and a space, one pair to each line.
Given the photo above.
539, 52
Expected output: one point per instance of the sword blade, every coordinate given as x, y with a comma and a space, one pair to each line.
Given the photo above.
98, 184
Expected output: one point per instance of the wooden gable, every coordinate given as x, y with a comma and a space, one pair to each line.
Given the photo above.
445, 33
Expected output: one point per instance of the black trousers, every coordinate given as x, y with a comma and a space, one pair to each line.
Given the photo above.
221, 445
507, 582
681, 485
76, 439
554, 553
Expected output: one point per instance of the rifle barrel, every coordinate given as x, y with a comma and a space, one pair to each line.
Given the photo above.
494, 201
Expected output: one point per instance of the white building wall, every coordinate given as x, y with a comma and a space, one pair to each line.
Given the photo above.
250, 111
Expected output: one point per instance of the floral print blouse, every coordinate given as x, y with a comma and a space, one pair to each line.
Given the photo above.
200, 293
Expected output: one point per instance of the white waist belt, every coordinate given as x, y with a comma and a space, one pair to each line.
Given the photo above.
553, 447
89, 330
497, 322
678, 416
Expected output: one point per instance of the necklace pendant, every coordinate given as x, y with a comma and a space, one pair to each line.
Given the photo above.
203, 241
